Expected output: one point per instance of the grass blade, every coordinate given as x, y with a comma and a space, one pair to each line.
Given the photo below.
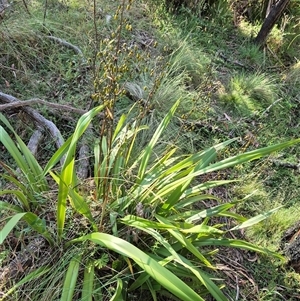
70, 280
37, 224
65, 180
184, 241
7, 206
15, 153
34, 170
209, 212
81, 206
226, 163
57, 156
256, 219
20, 196
68, 176
9, 226
246, 157
117, 296
31, 276
204, 279
148, 264
145, 156
88, 283
236, 243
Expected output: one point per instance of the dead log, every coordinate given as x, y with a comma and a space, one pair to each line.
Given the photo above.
34, 141
20, 103
39, 120
290, 244
83, 162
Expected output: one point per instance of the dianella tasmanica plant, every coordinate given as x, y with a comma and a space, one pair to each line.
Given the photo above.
150, 217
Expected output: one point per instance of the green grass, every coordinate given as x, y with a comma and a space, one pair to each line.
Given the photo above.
249, 94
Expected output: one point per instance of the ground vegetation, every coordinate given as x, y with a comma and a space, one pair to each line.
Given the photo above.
149, 149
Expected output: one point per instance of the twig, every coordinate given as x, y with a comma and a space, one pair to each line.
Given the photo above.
26, 7
68, 45
237, 289
226, 59
18, 103
286, 164
269, 107
45, 12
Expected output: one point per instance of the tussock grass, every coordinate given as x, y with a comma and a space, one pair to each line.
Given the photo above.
252, 55
249, 94
293, 75
190, 59
269, 233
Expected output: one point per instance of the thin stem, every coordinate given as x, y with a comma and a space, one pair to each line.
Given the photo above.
96, 37
45, 12
26, 7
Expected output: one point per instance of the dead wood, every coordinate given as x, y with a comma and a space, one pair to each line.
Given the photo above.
83, 162
287, 164
39, 120
35, 140
68, 45
18, 103
82, 170
275, 12
190, 125
233, 62
290, 245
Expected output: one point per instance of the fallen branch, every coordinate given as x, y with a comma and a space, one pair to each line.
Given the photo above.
230, 61
83, 162
68, 45
82, 169
34, 141
198, 125
18, 103
39, 119
287, 164
269, 107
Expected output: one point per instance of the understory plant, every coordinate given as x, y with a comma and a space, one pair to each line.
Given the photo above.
249, 94
143, 211
138, 226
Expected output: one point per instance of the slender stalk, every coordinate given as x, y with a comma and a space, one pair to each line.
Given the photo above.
108, 123
26, 7
96, 37
45, 12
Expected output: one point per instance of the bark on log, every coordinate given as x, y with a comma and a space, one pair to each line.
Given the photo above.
290, 244
34, 141
83, 162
